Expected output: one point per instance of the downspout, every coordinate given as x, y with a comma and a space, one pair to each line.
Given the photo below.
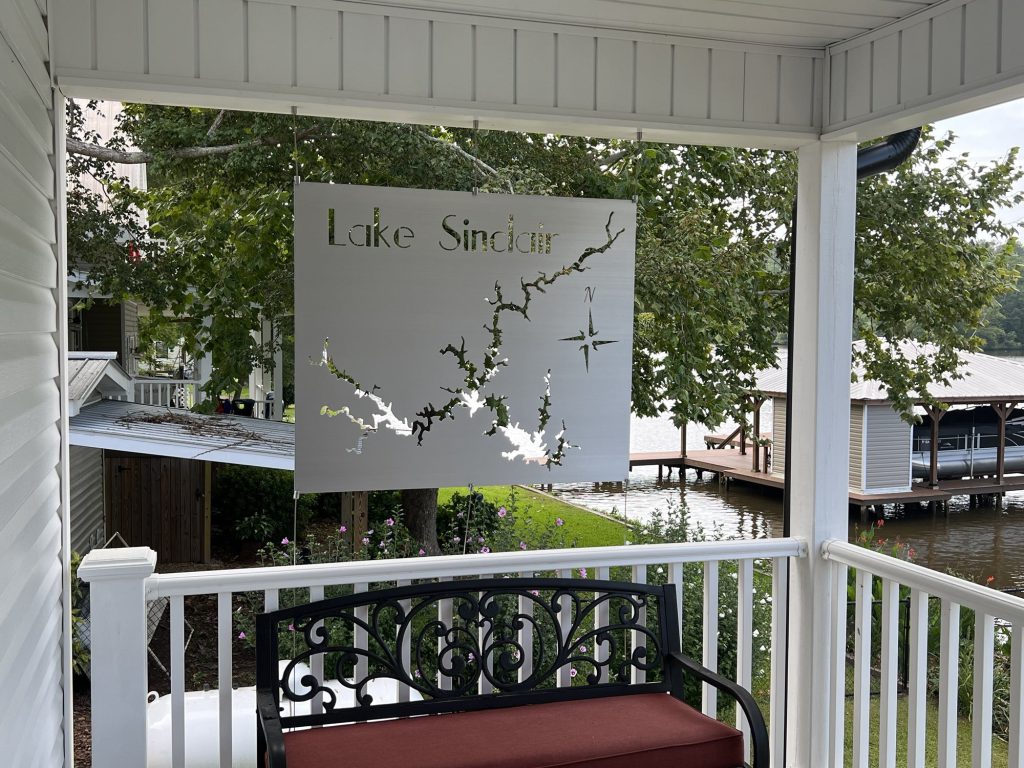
878, 158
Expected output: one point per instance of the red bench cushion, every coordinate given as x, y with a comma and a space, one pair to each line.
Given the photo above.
651, 730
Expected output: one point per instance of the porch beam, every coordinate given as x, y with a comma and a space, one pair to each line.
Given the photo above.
392, 62
964, 58
818, 451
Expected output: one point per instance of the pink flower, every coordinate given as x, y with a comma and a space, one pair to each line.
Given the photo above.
241, 635
583, 573
583, 649
382, 545
502, 511
423, 551
389, 522
366, 540
291, 627
456, 539
342, 528
572, 673
485, 550
284, 542
880, 523
522, 545
480, 540
535, 593
559, 522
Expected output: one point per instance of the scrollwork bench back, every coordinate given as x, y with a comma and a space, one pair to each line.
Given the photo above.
493, 651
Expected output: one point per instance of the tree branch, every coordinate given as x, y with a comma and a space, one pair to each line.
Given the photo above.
216, 124
135, 157
467, 156
611, 160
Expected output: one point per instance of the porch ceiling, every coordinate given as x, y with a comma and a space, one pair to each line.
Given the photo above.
804, 23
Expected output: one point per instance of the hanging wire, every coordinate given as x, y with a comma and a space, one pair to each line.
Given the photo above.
639, 160
295, 146
625, 507
295, 525
476, 166
297, 178
469, 514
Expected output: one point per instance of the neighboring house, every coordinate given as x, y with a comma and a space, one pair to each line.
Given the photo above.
105, 324
92, 376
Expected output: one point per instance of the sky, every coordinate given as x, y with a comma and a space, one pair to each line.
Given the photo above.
987, 135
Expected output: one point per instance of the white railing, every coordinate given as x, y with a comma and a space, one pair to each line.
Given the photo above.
758, 569
173, 393
935, 599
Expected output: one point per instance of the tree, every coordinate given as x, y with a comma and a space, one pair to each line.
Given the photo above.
1005, 320
926, 266
712, 246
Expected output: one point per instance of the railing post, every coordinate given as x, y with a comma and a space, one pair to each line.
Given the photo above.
117, 624
817, 451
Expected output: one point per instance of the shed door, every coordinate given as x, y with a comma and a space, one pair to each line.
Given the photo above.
157, 502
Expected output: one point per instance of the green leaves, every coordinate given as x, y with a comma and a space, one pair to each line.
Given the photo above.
712, 246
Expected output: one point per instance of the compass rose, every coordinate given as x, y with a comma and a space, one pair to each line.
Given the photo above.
589, 339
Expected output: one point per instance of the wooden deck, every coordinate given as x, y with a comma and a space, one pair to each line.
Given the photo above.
733, 465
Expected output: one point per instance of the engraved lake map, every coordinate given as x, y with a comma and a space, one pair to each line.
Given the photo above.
447, 338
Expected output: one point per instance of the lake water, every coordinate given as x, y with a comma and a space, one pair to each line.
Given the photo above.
976, 543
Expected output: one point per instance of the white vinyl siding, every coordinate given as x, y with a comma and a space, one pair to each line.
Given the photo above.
31, 575
856, 446
888, 450
86, 470
779, 436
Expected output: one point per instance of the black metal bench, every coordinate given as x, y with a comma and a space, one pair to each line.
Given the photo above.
615, 646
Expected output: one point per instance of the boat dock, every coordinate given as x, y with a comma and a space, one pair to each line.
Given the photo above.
731, 465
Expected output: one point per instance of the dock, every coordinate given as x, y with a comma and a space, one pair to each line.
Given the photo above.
732, 465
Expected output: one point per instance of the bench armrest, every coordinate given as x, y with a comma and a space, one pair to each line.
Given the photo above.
269, 736
758, 731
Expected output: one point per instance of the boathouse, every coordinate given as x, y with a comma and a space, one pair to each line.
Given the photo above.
887, 454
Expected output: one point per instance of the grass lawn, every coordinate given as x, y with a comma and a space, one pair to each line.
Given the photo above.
540, 511
1000, 749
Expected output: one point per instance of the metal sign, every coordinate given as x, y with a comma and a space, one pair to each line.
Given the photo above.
445, 338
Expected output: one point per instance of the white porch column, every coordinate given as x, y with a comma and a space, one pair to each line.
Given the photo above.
204, 367
277, 374
819, 441
117, 608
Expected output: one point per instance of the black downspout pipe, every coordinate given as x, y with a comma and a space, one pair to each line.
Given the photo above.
878, 158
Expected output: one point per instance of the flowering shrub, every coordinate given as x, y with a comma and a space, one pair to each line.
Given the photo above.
893, 547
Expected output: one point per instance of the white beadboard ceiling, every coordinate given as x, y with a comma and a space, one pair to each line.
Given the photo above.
803, 23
